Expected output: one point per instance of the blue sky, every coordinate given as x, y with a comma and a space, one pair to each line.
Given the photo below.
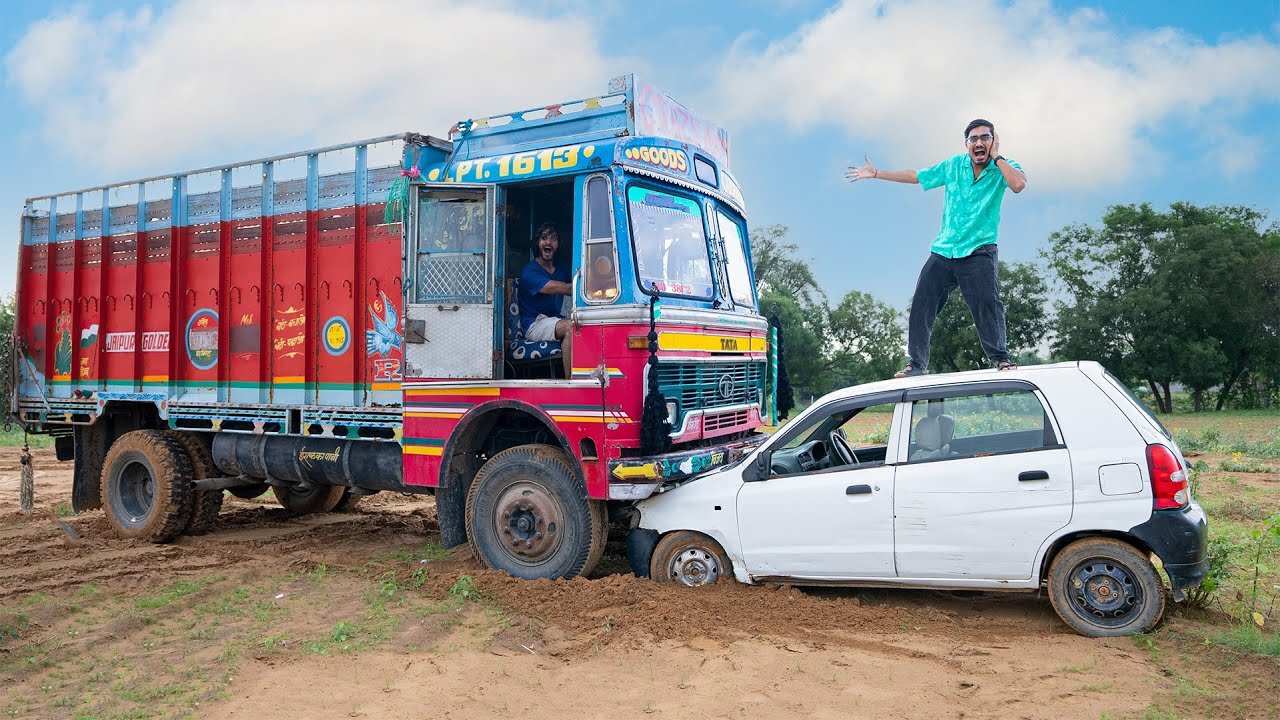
1101, 103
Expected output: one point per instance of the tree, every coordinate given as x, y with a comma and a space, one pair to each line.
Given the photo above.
1188, 295
865, 340
954, 345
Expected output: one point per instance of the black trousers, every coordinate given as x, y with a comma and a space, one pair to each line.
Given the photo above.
977, 276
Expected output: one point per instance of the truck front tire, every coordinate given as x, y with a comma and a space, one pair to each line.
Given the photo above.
528, 516
146, 486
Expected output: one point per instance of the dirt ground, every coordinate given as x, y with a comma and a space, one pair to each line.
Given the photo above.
362, 614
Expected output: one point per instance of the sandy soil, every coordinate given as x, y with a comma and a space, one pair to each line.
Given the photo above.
338, 616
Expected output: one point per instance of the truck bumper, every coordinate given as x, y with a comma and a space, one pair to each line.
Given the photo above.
638, 478
1180, 539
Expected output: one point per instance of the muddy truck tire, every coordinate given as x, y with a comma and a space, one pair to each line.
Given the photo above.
146, 486
315, 499
527, 515
206, 504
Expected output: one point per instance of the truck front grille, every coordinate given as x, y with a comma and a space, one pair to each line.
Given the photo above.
700, 386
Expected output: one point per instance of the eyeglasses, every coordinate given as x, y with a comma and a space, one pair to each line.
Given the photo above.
975, 138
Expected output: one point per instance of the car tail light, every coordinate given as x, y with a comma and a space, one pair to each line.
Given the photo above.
1168, 478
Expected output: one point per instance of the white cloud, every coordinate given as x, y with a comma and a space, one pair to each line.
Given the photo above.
211, 81
1073, 99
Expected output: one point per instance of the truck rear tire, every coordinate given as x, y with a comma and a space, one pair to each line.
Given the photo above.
1103, 587
528, 516
146, 486
206, 504
315, 499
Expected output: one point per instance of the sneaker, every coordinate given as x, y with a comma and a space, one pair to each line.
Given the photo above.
1006, 365
909, 371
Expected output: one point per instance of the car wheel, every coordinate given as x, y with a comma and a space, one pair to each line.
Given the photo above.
146, 486
1106, 588
526, 515
689, 558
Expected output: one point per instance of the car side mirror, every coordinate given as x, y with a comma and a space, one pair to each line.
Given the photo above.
758, 469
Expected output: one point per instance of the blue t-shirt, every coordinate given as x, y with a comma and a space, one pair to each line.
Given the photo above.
532, 302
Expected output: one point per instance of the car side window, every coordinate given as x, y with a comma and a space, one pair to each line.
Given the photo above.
978, 425
848, 438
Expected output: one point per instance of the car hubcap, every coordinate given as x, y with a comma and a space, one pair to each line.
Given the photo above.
530, 522
695, 567
1104, 592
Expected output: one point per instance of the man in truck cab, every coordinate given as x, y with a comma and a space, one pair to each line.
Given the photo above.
543, 289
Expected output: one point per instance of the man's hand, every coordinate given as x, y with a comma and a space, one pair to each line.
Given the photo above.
866, 172
994, 152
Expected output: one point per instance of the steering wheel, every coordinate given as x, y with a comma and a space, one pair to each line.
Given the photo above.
841, 447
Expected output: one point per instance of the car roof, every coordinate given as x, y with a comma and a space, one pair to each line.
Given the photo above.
940, 379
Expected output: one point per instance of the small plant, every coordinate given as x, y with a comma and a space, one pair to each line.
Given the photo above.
464, 589
63, 509
1238, 462
1221, 553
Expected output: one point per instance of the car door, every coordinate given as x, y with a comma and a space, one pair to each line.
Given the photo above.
807, 518
984, 481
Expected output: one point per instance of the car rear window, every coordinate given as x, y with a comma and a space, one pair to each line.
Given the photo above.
1115, 381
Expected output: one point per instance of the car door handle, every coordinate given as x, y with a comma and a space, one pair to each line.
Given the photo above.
858, 490
1032, 475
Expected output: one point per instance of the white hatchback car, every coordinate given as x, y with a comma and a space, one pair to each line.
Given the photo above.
1051, 474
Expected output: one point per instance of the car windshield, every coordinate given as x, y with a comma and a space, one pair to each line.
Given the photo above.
672, 254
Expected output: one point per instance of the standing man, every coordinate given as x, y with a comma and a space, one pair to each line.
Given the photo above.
964, 253
543, 288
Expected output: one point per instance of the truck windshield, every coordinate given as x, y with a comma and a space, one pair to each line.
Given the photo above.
672, 253
735, 257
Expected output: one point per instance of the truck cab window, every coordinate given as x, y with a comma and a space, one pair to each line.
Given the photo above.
740, 286
452, 235
600, 262
672, 253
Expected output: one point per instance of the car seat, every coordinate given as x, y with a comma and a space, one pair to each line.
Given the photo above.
933, 437
523, 353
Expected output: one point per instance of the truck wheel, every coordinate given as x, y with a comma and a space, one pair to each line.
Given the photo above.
348, 502
1106, 588
315, 499
146, 486
689, 558
206, 504
248, 492
526, 515
600, 521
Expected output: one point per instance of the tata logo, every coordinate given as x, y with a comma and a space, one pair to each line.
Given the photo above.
727, 343
726, 386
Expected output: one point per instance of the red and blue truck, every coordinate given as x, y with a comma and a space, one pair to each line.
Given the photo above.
342, 321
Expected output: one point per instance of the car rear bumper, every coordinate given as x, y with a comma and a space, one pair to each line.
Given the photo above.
1180, 539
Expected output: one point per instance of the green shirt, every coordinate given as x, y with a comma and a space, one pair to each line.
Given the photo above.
971, 213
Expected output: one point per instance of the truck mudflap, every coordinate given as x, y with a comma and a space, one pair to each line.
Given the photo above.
638, 478
1180, 539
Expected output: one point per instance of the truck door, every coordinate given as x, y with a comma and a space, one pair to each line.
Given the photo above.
450, 328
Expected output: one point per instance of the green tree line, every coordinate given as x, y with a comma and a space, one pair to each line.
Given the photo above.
1189, 296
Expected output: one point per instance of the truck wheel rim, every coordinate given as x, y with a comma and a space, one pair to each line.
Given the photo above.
137, 491
530, 522
695, 567
1104, 593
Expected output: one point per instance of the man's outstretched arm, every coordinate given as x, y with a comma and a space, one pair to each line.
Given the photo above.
870, 172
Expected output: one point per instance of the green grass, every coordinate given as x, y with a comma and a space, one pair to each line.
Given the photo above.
13, 438
173, 593
1251, 639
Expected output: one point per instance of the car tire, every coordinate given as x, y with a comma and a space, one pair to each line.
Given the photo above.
689, 558
1103, 587
314, 499
206, 504
146, 486
527, 515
